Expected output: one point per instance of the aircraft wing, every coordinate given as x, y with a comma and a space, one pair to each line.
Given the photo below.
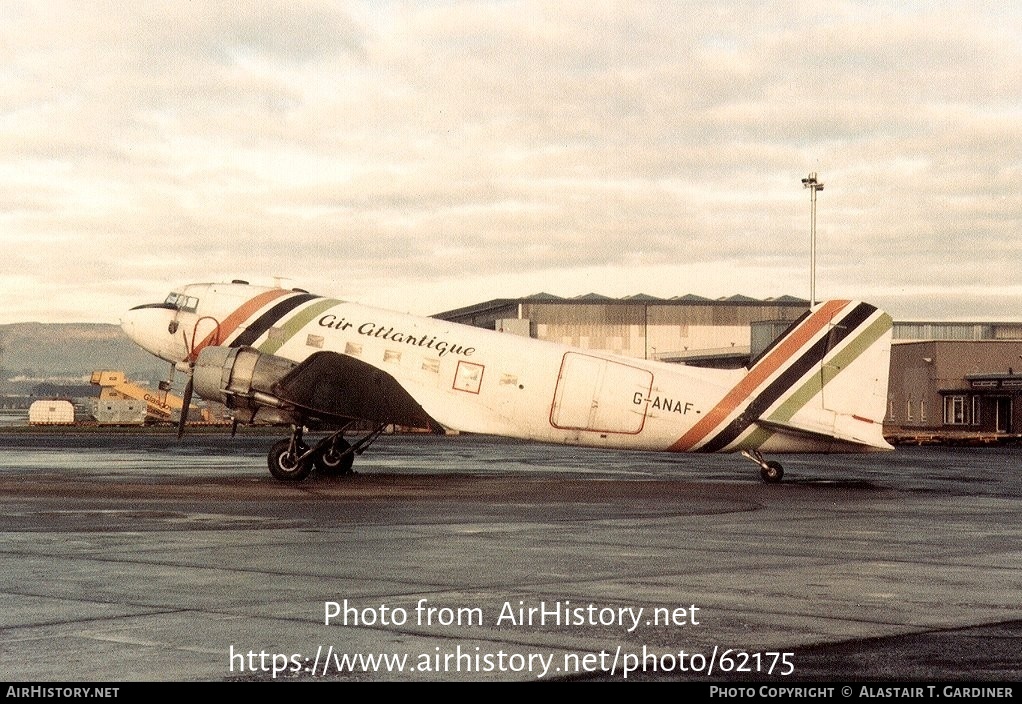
336, 386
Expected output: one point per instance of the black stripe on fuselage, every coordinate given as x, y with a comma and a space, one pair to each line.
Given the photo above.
789, 377
270, 318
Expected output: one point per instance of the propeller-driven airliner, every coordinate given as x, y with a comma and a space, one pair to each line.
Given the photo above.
289, 357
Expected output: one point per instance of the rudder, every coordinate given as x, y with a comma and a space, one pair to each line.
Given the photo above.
839, 399
820, 387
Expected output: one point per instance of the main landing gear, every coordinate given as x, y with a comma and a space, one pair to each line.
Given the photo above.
291, 460
771, 471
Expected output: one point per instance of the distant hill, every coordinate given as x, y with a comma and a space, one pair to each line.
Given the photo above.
67, 353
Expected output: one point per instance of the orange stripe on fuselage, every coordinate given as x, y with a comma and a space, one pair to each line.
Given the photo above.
231, 323
777, 357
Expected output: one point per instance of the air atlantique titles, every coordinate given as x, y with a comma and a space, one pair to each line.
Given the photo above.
441, 347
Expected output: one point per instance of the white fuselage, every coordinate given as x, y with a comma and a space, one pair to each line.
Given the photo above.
488, 382
481, 381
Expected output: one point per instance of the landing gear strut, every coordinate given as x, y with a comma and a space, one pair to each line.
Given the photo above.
771, 471
291, 460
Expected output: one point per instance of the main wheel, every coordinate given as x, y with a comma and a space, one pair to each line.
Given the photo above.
336, 458
284, 464
772, 473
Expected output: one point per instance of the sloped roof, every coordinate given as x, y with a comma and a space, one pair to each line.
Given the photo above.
638, 298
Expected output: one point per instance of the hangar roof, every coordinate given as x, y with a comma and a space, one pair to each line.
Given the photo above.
595, 298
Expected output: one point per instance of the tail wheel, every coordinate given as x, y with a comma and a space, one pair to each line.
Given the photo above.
772, 472
336, 458
284, 461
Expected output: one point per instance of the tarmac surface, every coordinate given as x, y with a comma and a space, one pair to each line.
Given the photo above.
132, 557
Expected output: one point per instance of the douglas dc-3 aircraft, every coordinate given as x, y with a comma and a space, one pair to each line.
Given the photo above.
290, 357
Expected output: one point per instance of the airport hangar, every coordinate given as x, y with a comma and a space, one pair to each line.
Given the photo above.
948, 379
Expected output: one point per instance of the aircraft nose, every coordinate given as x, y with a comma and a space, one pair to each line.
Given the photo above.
128, 324
131, 324
147, 328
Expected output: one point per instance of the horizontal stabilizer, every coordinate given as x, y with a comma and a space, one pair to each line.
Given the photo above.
862, 434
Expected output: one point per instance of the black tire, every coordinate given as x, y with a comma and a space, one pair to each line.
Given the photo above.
283, 464
772, 473
335, 458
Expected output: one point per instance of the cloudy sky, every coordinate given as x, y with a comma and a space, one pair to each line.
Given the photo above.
428, 155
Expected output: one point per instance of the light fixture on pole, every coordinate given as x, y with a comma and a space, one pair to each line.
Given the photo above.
813, 185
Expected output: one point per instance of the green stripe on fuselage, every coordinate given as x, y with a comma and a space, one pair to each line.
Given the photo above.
295, 325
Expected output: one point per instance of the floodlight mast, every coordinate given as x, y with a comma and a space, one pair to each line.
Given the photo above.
813, 185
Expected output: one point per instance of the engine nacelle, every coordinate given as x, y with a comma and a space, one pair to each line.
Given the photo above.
239, 377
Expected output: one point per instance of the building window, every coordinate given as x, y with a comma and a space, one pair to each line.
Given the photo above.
922, 411
890, 410
908, 411
954, 410
977, 415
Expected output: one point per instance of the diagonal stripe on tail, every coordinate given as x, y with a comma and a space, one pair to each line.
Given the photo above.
800, 383
778, 356
796, 370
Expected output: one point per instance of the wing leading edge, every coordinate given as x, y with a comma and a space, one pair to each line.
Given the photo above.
332, 385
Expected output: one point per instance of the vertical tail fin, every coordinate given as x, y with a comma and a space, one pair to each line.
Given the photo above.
821, 387
831, 394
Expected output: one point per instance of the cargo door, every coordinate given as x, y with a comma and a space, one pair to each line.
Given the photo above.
598, 395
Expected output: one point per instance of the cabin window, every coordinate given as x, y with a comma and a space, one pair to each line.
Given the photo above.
468, 377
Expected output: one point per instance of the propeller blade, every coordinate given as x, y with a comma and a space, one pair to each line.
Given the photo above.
184, 409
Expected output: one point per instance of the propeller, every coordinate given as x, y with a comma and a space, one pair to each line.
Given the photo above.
185, 404
192, 356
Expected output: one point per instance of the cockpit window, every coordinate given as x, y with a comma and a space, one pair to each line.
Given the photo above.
181, 302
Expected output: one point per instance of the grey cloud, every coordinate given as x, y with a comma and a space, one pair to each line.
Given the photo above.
413, 142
